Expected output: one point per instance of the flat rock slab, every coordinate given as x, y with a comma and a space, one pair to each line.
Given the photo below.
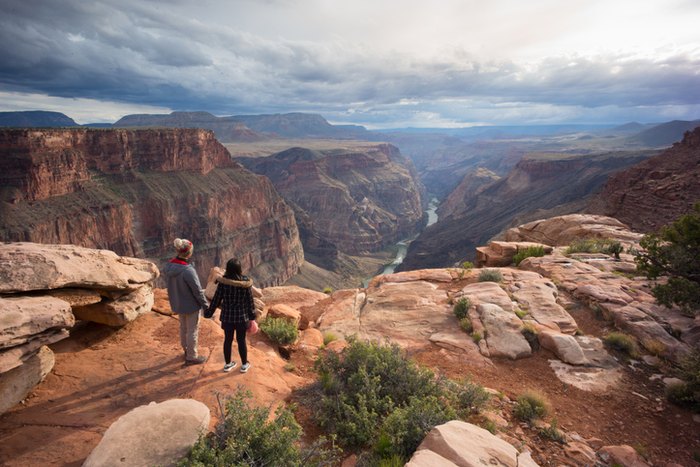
590, 379
503, 334
153, 434
33, 266
24, 317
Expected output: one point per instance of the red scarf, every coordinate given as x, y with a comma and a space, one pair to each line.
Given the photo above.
179, 261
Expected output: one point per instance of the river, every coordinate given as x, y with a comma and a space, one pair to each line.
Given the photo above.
402, 246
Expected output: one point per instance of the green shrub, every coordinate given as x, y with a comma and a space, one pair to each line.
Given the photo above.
520, 313
466, 325
405, 427
687, 394
622, 343
469, 398
596, 245
329, 337
530, 406
249, 436
467, 265
490, 275
552, 432
370, 388
328, 290
531, 251
280, 330
364, 386
489, 426
461, 307
476, 337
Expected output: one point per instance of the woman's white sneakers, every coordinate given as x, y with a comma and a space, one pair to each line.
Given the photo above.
230, 366
245, 367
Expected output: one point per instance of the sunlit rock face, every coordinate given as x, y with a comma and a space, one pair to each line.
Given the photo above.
135, 191
357, 200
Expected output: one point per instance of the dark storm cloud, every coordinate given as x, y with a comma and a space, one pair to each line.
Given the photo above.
151, 53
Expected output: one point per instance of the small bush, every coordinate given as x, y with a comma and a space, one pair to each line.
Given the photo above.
530, 406
249, 436
552, 432
461, 307
529, 252
489, 426
466, 325
470, 398
467, 265
520, 313
490, 275
596, 245
687, 394
328, 290
405, 427
476, 337
329, 337
622, 343
280, 330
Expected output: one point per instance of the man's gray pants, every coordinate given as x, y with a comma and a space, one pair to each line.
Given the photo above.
189, 329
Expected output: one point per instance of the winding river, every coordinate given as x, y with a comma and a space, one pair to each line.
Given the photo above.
402, 246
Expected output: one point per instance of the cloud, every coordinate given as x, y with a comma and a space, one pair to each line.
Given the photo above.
357, 62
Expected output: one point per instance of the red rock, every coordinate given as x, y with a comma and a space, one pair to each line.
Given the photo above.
134, 191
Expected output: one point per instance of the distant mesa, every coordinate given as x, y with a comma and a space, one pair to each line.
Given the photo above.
35, 118
665, 134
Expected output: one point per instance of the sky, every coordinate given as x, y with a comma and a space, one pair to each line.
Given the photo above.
377, 63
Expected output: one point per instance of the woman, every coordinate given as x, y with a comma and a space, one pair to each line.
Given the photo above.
186, 298
233, 293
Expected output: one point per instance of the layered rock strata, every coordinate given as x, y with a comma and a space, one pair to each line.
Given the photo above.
553, 183
657, 191
134, 191
45, 288
356, 201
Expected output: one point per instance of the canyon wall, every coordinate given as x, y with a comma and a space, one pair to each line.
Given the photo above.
134, 191
656, 191
539, 186
356, 200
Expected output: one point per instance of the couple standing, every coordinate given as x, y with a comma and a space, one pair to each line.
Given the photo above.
233, 294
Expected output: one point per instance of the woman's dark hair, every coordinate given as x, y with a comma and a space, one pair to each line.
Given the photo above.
233, 269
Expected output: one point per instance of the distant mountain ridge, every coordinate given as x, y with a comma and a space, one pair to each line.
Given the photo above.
250, 127
35, 118
665, 134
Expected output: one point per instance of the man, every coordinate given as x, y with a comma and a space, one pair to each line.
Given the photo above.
186, 298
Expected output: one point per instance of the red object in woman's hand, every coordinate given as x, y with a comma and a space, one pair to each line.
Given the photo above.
252, 326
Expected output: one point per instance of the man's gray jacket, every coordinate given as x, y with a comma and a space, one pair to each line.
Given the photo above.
184, 289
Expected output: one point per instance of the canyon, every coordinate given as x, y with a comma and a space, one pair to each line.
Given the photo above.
134, 191
359, 200
540, 185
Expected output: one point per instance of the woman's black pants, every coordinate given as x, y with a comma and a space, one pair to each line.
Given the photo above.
239, 329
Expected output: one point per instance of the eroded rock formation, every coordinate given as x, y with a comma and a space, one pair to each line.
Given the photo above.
355, 200
134, 191
654, 192
44, 289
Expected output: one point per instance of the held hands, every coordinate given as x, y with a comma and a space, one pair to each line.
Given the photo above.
208, 312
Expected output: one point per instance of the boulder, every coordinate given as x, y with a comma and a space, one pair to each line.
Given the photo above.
539, 297
31, 266
18, 382
426, 458
121, 311
503, 334
286, 312
153, 434
488, 292
23, 317
564, 346
310, 341
467, 445
624, 456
